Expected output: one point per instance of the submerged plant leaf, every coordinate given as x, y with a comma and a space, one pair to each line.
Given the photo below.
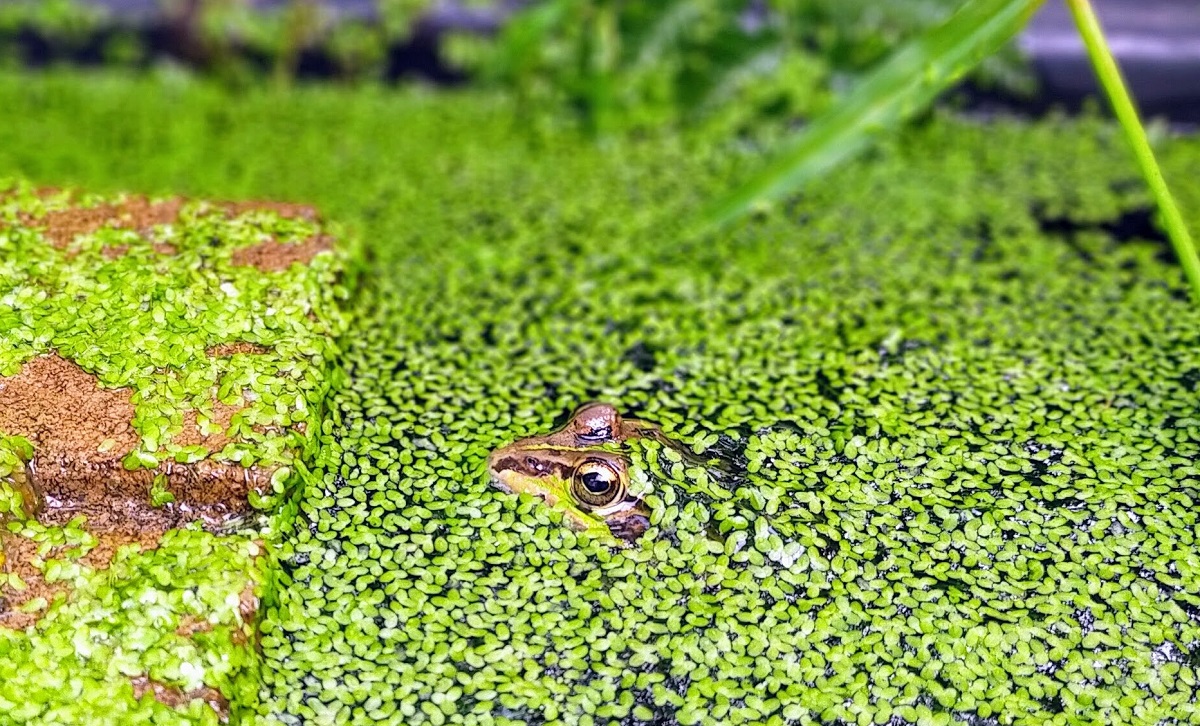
903, 85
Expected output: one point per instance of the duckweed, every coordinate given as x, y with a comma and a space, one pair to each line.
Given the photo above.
951, 380
16, 493
965, 491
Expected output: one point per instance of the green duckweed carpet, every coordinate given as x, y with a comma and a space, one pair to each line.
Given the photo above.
960, 375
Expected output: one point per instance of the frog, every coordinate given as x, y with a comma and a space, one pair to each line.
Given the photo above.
582, 471
618, 478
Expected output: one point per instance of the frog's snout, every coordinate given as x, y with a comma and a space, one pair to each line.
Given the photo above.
510, 472
499, 476
505, 471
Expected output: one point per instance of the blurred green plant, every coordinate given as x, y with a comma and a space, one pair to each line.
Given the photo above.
856, 34
903, 85
908, 82
67, 24
398, 18
65, 21
624, 64
620, 64
358, 48
236, 41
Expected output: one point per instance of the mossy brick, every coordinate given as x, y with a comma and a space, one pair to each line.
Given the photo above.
164, 364
164, 635
160, 338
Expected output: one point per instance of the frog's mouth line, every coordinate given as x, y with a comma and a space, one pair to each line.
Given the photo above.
508, 489
499, 484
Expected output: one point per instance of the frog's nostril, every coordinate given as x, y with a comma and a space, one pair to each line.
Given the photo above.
495, 465
497, 457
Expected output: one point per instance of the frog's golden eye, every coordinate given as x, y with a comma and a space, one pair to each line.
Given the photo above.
597, 484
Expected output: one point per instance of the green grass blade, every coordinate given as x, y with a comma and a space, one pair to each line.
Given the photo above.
1127, 115
903, 85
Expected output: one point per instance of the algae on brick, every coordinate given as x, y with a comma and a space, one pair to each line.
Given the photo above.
184, 304
172, 618
163, 363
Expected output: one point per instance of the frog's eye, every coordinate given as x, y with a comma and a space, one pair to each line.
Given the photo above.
597, 484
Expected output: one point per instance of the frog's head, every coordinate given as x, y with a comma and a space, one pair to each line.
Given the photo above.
581, 470
604, 473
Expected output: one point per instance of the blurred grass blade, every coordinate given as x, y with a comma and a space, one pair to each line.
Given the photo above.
1127, 115
903, 85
